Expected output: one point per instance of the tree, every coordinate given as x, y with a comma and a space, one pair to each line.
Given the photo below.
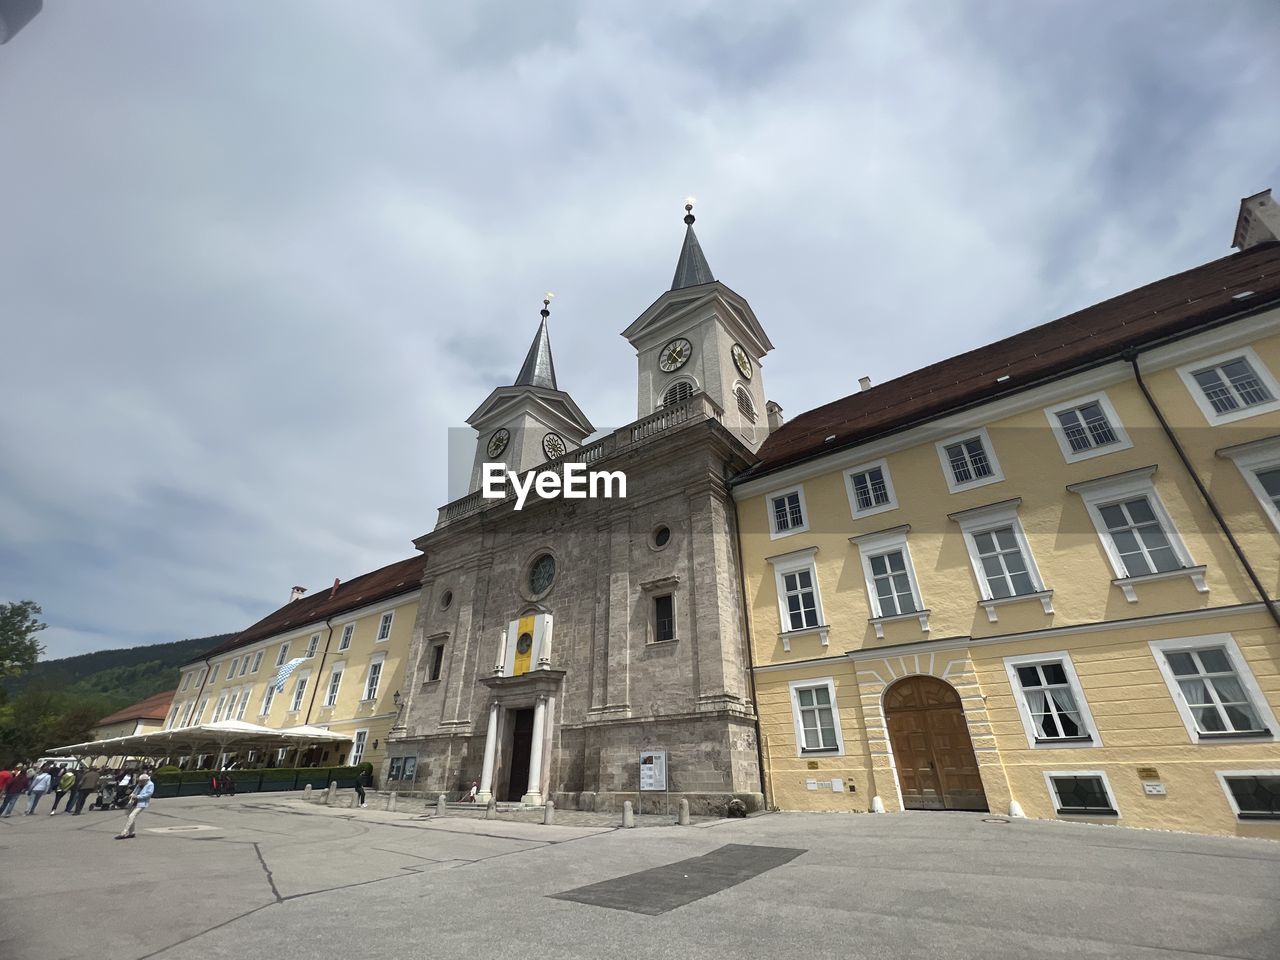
19, 648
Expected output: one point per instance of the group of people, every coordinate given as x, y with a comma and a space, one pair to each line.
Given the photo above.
77, 785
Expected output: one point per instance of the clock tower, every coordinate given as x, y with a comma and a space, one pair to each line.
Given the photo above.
701, 336
531, 421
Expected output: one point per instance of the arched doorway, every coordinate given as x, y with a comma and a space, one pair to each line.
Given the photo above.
937, 769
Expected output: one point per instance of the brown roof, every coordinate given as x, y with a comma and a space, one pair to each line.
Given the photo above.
1176, 305
401, 577
152, 708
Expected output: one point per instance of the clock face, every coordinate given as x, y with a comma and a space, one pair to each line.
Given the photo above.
675, 355
498, 442
741, 361
553, 446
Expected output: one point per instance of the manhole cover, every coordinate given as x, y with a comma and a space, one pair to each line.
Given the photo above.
994, 820
188, 828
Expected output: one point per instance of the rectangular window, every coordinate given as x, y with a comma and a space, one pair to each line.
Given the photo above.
268, 698
664, 618
1212, 690
299, 689
968, 460
798, 595
437, 662
384, 625
1083, 792
200, 677
335, 681
869, 489
893, 586
1086, 427
200, 713
817, 721
1231, 385
186, 718
347, 631
217, 707
410, 768
1139, 538
371, 683
786, 513
1255, 795
1270, 482
1003, 565
1050, 699
397, 764
284, 652
244, 665
186, 682
244, 702
231, 670
173, 716
213, 677
257, 661
313, 645
357, 748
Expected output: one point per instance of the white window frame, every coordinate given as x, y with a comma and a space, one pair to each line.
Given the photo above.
244, 665
199, 681
793, 563
992, 517
348, 632
384, 626
1057, 801
1126, 486
858, 512
186, 716
332, 690
1011, 665
1239, 664
1222, 776
244, 702
217, 707
829, 682
257, 661
231, 670
283, 655
379, 659
997, 474
1123, 442
774, 532
204, 704
359, 740
1187, 372
1250, 459
299, 690
876, 544
313, 645
213, 677
268, 698
186, 681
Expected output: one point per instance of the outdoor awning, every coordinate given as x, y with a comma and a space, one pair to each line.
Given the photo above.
203, 738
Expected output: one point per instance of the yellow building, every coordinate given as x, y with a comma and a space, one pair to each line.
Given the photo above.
351, 642
1039, 577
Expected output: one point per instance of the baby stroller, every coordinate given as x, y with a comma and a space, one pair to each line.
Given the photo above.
112, 795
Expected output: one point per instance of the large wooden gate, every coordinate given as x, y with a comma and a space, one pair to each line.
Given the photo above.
937, 769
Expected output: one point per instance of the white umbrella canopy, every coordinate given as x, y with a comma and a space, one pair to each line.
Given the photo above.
203, 738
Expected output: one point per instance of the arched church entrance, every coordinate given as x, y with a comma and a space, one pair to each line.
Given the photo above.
932, 750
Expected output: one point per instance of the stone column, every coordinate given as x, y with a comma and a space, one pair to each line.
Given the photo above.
534, 793
490, 751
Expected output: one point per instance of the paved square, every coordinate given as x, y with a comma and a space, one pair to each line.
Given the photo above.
277, 877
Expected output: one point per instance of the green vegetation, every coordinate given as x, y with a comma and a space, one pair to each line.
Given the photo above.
19, 648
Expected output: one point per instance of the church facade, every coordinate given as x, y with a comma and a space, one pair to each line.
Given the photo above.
558, 643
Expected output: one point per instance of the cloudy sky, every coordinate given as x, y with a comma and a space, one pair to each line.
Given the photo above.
257, 258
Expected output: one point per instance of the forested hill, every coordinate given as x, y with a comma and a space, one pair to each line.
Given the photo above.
125, 676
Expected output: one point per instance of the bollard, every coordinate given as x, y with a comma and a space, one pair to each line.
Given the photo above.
549, 812
333, 792
391, 802
683, 817
442, 805
628, 815
306, 792
877, 805
1015, 810
491, 810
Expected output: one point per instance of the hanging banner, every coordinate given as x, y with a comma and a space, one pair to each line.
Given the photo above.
527, 639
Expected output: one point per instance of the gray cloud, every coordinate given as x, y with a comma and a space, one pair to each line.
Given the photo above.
259, 258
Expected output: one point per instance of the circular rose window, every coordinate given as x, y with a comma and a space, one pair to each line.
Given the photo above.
541, 574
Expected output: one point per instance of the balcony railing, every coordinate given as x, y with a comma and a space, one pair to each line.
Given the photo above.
695, 409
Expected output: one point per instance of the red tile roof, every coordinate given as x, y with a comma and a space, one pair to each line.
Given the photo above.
401, 577
152, 708
1166, 308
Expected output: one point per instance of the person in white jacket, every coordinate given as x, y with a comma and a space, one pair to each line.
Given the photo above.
138, 801
39, 787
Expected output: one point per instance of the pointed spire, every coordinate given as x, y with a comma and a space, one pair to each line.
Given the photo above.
538, 370
692, 268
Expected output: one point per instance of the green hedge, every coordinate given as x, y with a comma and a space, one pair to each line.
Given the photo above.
194, 783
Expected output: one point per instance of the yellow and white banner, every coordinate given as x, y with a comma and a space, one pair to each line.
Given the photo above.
527, 638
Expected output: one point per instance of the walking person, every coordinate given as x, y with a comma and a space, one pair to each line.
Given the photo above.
62, 786
361, 783
228, 783
77, 775
39, 787
138, 801
16, 787
88, 786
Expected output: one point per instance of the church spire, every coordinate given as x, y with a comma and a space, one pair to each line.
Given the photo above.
538, 369
692, 268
